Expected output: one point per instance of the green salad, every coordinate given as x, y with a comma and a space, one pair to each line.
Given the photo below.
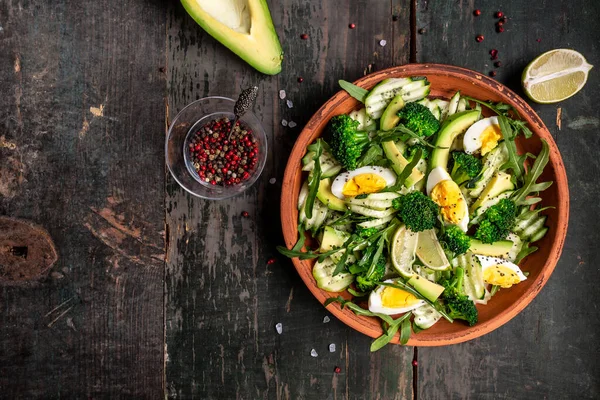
422, 207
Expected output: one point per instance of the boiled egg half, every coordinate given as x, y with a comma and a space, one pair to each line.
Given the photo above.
446, 194
363, 180
388, 300
482, 136
497, 271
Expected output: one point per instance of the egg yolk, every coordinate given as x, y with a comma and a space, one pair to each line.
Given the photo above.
446, 194
397, 298
363, 184
489, 138
500, 275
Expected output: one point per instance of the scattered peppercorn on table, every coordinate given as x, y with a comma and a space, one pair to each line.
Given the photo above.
158, 293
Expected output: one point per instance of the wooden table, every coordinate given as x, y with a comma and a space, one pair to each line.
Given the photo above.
159, 292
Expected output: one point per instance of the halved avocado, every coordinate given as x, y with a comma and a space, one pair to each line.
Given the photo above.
390, 118
244, 26
500, 183
452, 127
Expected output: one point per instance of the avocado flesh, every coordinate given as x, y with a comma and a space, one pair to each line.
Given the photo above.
500, 183
390, 118
452, 127
244, 26
399, 163
329, 199
500, 248
428, 289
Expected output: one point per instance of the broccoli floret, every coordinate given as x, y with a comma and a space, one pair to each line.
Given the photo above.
417, 211
425, 151
365, 232
457, 304
497, 221
347, 143
455, 240
419, 119
466, 167
366, 282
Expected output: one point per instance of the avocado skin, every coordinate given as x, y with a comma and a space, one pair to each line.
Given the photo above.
261, 49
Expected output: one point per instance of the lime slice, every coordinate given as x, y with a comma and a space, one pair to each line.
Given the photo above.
555, 76
430, 251
404, 244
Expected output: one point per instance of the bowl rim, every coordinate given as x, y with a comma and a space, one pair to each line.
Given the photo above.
526, 112
262, 160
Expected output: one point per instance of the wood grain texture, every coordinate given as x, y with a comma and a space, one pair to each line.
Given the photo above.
545, 352
81, 136
223, 299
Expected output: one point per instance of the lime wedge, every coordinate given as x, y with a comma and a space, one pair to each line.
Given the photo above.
404, 244
430, 251
555, 76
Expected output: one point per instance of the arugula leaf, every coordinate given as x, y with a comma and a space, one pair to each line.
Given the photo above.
402, 133
405, 331
373, 154
308, 255
314, 178
410, 166
355, 91
525, 251
529, 184
504, 109
514, 163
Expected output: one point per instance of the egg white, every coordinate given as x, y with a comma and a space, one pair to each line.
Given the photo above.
490, 262
337, 187
375, 304
437, 175
472, 139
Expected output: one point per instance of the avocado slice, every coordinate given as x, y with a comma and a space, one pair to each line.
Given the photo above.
453, 126
389, 118
500, 183
332, 238
500, 248
326, 197
431, 291
399, 163
244, 26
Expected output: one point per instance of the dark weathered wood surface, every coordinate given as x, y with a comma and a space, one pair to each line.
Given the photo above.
142, 307
81, 139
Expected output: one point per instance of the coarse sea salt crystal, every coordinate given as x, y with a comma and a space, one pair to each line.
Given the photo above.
332, 348
272, 181
279, 327
284, 122
382, 43
290, 104
292, 124
282, 94
326, 319
314, 353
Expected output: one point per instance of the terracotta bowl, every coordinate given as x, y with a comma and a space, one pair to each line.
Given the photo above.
445, 81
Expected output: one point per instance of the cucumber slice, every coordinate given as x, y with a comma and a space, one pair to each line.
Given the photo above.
474, 275
365, 122
416, 94
437, 112
491, 163
426, 316
376, 222
302, 196
319, 215
462, 105
534, 228
367, 212
379, 97
539, 234
323, 274
523, 222
380, 205
329, 165
443, 106
453, 105
383, 196
516, 247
